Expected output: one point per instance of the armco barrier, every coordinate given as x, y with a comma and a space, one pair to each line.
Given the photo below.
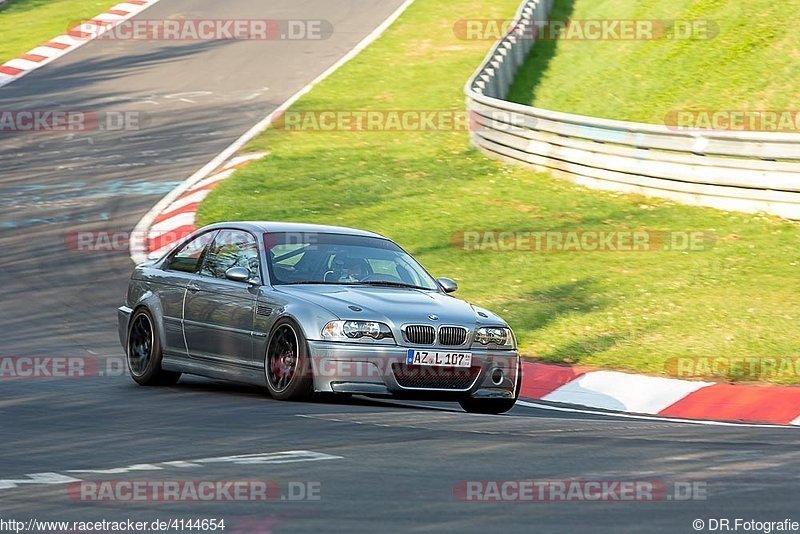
743, 171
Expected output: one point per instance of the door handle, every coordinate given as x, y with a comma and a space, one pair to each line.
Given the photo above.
194, 288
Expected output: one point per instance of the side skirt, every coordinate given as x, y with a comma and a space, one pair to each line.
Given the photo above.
234, 373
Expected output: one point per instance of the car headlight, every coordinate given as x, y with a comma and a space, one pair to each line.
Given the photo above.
349, 330
494, 335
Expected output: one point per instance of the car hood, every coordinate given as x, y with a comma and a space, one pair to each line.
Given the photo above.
396, 306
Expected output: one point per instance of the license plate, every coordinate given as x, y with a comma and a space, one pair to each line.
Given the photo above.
438, 359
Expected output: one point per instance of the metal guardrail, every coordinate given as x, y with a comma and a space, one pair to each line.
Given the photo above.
743, 171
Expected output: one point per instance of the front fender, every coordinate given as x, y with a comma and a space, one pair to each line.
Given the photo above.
310, 318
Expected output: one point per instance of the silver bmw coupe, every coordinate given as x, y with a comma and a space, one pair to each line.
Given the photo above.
305, 309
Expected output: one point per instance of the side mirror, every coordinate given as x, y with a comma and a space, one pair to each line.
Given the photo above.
239, 274
449, 285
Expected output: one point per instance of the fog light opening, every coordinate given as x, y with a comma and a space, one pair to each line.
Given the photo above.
497, 377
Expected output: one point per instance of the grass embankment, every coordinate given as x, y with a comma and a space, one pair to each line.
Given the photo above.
625, 310
25, 24
750, 62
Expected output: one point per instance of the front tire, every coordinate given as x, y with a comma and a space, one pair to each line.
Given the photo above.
144, 352
493, 406
487, 406
286, 366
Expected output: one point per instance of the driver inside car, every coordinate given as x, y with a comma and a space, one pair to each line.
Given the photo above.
348, 270
355, 270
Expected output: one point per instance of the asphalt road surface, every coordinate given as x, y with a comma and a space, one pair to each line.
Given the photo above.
359, 466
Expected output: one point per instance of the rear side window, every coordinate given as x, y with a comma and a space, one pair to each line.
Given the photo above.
188, 257
231, 248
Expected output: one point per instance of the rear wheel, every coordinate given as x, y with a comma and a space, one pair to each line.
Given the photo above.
286, 365
144, 352
493, 406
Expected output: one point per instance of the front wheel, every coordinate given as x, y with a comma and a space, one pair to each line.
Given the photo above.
493, 406
286, 364
487, 406
144, 352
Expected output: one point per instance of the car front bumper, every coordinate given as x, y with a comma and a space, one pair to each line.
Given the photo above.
376, 369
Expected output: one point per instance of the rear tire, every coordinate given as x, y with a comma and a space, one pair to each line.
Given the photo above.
288, 374
144, 352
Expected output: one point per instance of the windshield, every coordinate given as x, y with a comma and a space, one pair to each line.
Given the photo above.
313, 258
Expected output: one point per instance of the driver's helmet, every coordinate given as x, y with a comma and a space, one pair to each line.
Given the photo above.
355, 269
345, 269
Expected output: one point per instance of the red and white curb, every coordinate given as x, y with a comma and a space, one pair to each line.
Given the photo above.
76, 37
177, 220
664, 397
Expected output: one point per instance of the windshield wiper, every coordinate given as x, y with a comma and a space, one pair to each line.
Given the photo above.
386, 283
311, 282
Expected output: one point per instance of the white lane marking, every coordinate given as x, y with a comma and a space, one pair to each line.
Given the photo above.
610, 390
118, 470
644, 417
37, 478
187, 96
238, 160
271, 458
143, 225
261, 458
181, 463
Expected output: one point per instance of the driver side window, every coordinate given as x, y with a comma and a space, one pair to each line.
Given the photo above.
231, 248
187, 259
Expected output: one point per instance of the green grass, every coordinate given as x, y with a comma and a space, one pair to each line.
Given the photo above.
751, 64
619, 310
25, 24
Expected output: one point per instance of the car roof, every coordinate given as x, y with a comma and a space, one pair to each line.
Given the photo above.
275, 226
